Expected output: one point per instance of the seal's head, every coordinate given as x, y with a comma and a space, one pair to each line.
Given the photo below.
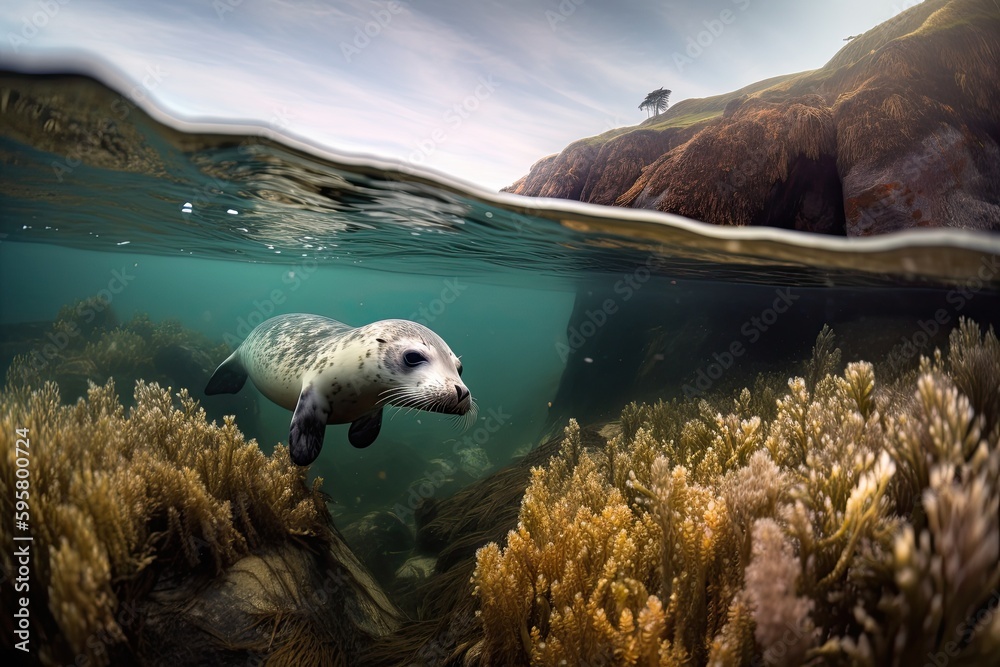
327, 372
423, 372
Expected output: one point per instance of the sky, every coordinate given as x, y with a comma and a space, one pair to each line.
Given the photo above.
477, 90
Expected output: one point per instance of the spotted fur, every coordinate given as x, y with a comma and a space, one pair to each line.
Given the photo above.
330, 373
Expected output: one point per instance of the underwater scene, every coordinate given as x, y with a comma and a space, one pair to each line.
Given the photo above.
265, 404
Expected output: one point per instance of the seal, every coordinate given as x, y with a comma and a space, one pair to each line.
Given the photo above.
328, 372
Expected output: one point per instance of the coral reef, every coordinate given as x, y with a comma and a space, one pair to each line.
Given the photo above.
154, 531
855, 520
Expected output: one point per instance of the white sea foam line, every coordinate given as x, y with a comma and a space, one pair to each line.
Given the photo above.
984, 243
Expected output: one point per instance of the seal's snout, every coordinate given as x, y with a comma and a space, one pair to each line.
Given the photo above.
462, 392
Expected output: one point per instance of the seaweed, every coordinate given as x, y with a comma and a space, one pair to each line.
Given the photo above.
840, 526
137, 514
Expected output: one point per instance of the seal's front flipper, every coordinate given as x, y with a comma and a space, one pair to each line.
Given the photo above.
228, 378
305, 436
364, 430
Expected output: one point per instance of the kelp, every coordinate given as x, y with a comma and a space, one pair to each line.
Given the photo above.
119, 499
87, 343
852, 520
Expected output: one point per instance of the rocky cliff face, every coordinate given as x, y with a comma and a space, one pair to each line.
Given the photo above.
900, 129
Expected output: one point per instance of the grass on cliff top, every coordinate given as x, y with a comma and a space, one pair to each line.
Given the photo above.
687, 112
686, 120
952, 15
690, 111
932, 15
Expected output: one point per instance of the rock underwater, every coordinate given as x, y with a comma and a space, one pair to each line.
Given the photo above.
849, 519
848, 515
900, 129
162, 539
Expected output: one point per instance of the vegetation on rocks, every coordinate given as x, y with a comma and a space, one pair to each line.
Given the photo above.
854, 519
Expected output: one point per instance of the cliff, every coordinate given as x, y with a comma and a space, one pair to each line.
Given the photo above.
900, 129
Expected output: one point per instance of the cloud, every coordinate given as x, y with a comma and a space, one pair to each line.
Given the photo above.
384, 78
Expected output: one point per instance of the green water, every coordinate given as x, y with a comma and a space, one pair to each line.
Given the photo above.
510, 362
556, 309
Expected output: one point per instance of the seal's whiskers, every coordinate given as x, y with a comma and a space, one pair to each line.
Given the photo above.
306, 364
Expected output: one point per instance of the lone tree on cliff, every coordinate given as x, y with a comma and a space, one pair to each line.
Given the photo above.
656, 101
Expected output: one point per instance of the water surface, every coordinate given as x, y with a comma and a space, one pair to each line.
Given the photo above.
557, 309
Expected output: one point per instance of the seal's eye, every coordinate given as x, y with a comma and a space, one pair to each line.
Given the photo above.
413, 358
460, 370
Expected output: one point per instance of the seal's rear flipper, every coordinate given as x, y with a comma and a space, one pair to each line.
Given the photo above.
364, 430
305, 435
228, 378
